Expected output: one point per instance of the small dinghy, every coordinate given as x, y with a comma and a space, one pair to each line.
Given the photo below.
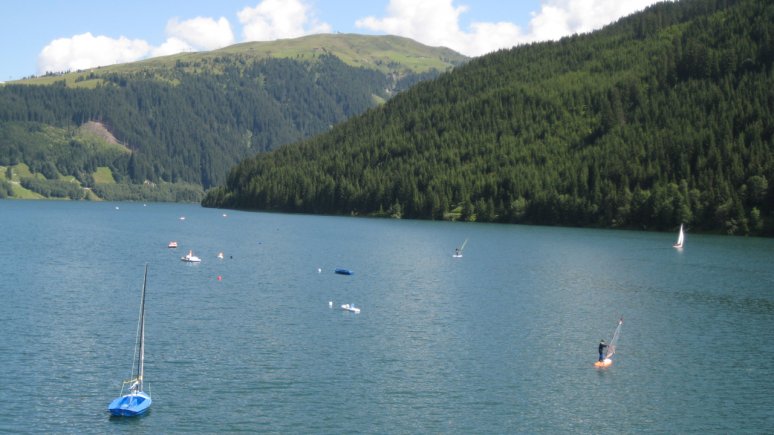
135, 401
190, 258
351, 308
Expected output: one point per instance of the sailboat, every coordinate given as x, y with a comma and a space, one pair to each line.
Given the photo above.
136, 401
680, 238
608, 360
190, 258
458, 251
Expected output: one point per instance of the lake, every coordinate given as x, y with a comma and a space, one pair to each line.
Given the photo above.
502, 340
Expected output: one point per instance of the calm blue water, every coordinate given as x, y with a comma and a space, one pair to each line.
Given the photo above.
500, 341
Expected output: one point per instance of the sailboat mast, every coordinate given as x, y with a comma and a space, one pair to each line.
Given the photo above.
614, 340
141, 356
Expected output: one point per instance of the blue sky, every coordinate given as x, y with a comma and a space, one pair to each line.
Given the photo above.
61, 35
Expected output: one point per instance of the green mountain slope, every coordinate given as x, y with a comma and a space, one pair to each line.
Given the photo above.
398, 57
186, 119
662, 118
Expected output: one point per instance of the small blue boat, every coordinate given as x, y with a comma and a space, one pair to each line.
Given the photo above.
344, 272
136, 401
130, 405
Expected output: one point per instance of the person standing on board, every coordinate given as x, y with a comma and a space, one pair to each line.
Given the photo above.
602, 347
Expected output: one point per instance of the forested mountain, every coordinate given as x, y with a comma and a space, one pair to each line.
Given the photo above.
664, 117
187, 119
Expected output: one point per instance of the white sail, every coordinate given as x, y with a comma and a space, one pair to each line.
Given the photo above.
680, 238
614, 340
458, 251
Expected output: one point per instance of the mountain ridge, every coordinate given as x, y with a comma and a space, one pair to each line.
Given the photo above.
661, 118
388, 54
188, 118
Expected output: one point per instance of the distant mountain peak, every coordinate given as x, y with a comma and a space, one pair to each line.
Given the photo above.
387, 54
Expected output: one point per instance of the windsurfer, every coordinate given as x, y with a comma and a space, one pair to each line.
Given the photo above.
602, 347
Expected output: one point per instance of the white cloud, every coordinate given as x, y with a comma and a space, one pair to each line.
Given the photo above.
278, 19
87, 51
558, 18
201, 33
436, 23
172, 46
432, 22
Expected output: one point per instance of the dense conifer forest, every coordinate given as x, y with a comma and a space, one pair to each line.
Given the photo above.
662, 118
186, 120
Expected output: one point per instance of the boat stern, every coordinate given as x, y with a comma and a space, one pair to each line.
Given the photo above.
130, 405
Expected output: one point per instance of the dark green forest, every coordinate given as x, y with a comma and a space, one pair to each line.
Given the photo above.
662, 118
196, 129
187, 125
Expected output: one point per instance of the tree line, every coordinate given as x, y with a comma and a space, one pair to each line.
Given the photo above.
188, 126
662, 118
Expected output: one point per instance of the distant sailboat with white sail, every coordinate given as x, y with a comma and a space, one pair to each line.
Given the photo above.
191, 258
680, 238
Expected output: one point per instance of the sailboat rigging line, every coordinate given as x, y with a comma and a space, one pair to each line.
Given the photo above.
137, 357
135, 401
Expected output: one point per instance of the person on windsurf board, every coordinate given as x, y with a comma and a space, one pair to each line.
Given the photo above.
602, 347
606, 360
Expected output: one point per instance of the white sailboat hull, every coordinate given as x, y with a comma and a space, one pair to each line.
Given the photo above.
350, 308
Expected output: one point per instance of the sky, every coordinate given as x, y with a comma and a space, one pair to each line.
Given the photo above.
39, 36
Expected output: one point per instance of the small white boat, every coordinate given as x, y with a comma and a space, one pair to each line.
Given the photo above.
190, 258
351, 308
172, 244
220, 255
